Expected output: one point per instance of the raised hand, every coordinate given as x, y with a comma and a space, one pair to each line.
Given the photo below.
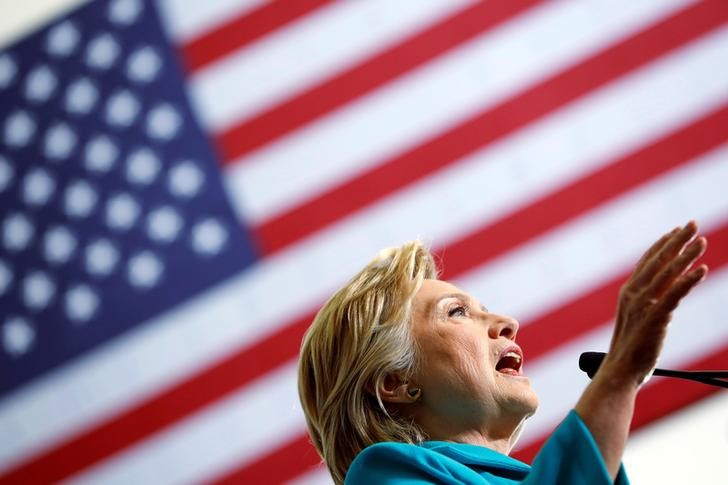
660, 280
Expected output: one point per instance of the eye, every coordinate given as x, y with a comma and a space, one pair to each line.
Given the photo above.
458, 311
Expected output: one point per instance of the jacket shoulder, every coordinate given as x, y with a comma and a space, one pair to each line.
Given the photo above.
390, 462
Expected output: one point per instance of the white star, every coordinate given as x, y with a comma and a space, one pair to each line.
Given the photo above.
144, 270
100, 154
6, 173
60, 140
62, 40
101, 257
121, 212
102, 52
6, 277
185, 179
81, 303
163, 224
58, 245
124, 12
209, 237
142, 166
81, 96
143, 65
40, 84
163, 122
37, 290
80, 199
38, 186
18, 231
8, 69
122, 109
19, 129
18, 336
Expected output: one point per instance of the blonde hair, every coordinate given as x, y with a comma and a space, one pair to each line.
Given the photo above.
359, 336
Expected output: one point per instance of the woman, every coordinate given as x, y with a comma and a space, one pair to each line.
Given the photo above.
405, 378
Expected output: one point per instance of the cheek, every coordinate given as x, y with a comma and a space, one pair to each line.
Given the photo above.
456, 362
471, 359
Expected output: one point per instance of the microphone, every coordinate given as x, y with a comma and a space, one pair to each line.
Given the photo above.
589, 362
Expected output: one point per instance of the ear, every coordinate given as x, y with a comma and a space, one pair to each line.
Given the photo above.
394, 389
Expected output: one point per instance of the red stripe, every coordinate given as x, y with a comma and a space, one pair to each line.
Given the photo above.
250, 363
661, 398
584, 194
293, 459
489, 126
396, 60
243, 30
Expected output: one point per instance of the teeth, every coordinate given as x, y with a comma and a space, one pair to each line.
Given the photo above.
514, 355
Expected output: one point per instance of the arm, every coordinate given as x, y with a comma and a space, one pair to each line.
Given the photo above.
660, 279
606, 407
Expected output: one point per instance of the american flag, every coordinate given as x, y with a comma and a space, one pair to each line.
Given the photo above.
183, 184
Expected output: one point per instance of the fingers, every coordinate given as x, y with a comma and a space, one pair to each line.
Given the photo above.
679, 289
656, 246
675, 242
677, 267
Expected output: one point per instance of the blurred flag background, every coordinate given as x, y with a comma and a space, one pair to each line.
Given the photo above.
182, 184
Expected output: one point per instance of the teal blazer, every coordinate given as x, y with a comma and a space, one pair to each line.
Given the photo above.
569, 456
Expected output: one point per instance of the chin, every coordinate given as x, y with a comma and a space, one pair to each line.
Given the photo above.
533, 398
525, 402
531, 401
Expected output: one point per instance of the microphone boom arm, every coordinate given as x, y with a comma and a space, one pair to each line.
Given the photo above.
589, 362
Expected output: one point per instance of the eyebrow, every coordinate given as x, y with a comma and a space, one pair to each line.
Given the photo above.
461, 296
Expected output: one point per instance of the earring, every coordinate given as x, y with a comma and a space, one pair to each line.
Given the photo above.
415, 393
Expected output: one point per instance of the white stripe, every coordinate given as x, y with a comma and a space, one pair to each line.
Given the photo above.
16, 23
271, 412
305, 52
658, 453
239, 312
697, 330
319, 476
188, 19
234, 431
417, 106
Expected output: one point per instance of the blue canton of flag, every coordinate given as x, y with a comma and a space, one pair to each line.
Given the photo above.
112, 208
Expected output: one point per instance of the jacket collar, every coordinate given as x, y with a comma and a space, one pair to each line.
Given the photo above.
476, 455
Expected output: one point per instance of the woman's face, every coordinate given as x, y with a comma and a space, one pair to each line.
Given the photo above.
471, 371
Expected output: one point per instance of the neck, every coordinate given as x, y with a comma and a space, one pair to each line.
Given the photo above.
499, 435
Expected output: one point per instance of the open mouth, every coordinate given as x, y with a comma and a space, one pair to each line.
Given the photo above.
510, 361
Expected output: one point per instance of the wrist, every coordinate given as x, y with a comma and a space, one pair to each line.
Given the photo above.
616, 381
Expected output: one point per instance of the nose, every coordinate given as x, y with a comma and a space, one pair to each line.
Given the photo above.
503, 326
